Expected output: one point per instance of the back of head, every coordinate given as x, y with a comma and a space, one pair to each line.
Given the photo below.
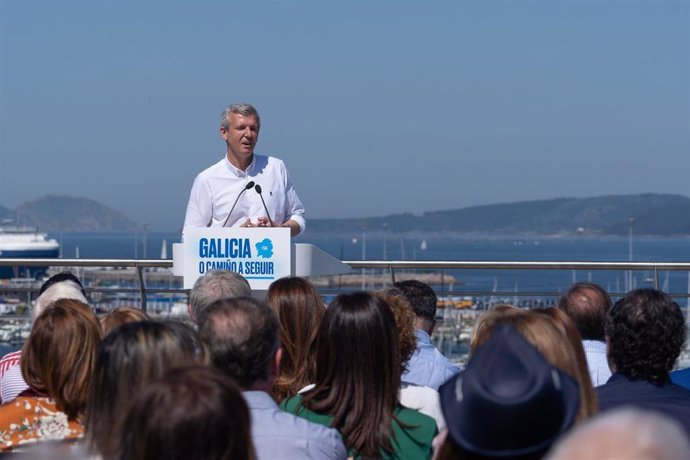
59, 278
59, 356
130, 357
629, 433
544, 333
216, 285
121, 315
358, 371
509, 402
189, 413
646, 331
404, 324
242, 337
67, 289
299, 309
587, 305
421, 297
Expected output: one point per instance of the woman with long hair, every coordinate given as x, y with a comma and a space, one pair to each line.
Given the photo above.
299, 309
57, 363
129, 358
358, 368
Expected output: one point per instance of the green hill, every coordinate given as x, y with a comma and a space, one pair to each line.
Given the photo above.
71, 214
654, 214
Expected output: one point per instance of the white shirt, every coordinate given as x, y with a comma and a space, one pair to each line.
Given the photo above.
216, 188
595, 352
425, 400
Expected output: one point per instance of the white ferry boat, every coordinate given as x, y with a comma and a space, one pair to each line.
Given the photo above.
25, 243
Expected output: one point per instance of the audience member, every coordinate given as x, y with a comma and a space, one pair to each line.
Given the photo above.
587, 305
508, 403
242, 337
189, 413
587, 395
215, 285
59, 278
627, 433
357, 382
57, 363
121, 315
299, 309
129, 358
423, 399
427, 367
64, 285
645, 332
544, 333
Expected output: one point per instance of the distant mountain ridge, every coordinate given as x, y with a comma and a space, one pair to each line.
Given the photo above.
654, 214
53, 213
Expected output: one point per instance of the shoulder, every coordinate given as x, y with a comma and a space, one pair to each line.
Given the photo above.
681, 377
269, 163
212, 171
415, 418
10, 359
414, 430
291, 404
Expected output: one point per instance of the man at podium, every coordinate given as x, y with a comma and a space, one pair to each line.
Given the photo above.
244, 189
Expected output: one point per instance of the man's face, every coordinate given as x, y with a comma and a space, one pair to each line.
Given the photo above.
241, 136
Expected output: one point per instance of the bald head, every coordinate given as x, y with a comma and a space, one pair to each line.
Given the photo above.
628, 433
587, 305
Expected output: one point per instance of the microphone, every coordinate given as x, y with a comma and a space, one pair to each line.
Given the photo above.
258, 190
249, 185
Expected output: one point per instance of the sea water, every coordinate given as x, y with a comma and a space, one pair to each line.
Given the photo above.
391, 246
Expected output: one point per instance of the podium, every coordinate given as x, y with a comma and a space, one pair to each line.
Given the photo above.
260, 255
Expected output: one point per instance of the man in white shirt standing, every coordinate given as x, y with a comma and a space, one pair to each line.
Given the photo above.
229, 193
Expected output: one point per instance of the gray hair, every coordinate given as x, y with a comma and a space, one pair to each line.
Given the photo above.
216, 285
240, 109
628, 433
63, 290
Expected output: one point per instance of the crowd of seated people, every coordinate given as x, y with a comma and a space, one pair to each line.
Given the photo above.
292, 378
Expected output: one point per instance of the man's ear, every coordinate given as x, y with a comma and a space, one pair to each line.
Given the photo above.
190, 312
275, 362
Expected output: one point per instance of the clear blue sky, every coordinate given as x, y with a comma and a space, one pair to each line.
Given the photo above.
377, 107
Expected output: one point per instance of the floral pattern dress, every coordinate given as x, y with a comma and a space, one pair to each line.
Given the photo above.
30, 419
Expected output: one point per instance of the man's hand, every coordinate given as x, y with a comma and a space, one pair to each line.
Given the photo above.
264, 222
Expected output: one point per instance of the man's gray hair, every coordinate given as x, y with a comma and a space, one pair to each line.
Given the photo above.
628, 433
240, 109
63, 290
216, 285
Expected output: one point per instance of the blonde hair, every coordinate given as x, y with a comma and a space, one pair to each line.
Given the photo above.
544, 333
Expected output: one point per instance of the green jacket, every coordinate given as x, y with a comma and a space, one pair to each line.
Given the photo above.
412, 443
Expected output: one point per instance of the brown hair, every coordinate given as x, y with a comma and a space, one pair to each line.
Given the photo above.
129, 358
404, 323
299, 309
59, 356
189, 413
121, 315
550, 338
358, 372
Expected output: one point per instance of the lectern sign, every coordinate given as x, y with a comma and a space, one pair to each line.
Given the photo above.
261, 255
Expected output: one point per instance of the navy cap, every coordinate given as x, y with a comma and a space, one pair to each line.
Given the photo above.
509, 401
